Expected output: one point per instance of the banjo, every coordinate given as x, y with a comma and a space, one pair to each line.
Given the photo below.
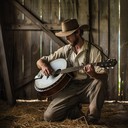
61, 76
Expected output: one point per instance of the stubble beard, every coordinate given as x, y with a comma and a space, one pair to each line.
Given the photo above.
73, 44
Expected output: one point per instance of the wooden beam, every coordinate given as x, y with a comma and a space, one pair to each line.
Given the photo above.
37, 21
32, 27
5, 73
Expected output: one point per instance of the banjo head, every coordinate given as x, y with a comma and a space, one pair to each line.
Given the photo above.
43, 82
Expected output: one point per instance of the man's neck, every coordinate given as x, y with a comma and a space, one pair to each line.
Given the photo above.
79, 45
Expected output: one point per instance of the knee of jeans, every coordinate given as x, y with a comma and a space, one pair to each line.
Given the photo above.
102, 84
94, 112
48, 116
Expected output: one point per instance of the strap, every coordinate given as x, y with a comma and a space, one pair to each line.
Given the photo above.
88, 53
68, 54
88, 56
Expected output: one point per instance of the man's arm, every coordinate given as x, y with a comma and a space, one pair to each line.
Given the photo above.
44, 66
89, 69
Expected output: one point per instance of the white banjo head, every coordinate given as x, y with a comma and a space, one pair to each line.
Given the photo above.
43, 82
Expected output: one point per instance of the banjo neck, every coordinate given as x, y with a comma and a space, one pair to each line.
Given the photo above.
72, 69
110, 63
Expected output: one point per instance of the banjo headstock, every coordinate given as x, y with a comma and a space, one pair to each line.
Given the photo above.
109, 63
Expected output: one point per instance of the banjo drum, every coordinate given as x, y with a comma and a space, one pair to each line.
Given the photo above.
50, 85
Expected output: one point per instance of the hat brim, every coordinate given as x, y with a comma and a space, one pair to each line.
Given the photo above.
64, 34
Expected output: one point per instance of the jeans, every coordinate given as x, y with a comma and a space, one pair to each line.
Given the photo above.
66, 102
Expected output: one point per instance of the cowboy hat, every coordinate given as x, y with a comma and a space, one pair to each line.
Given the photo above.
69, 26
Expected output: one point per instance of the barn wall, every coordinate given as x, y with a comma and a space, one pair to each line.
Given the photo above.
114, 29
105, 34
27, 43
123, 50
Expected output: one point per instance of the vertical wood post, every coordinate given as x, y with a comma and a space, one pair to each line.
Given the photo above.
5, 72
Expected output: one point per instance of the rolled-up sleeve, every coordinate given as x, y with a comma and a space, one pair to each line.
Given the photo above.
60, 53
97, 57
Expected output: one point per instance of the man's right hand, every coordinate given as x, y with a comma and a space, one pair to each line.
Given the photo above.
44, 67
47, 70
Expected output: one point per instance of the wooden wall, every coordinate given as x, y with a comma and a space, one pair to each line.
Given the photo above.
104, 13
114, 30
25, 42
123, 50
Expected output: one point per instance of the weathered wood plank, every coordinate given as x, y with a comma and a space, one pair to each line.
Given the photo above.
32, 27
114, 25
55, 12
26, 41
5, 72
82, 11
35, 55
45, 44
101, 35
124, 49
18, 58
37, 22
94, 15
104, 25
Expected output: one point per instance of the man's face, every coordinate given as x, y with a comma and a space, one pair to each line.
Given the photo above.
72, 39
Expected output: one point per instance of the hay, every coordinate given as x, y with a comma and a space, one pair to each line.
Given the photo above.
30, 115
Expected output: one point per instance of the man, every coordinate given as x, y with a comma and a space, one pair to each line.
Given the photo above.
88, 84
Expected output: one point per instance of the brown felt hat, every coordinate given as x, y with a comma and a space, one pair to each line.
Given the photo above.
69, 26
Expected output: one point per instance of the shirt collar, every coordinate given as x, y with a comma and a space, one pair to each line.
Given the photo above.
84, 46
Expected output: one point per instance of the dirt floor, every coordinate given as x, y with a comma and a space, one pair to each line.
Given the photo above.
30, 115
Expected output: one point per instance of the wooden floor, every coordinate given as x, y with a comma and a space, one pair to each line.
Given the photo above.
30, 115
